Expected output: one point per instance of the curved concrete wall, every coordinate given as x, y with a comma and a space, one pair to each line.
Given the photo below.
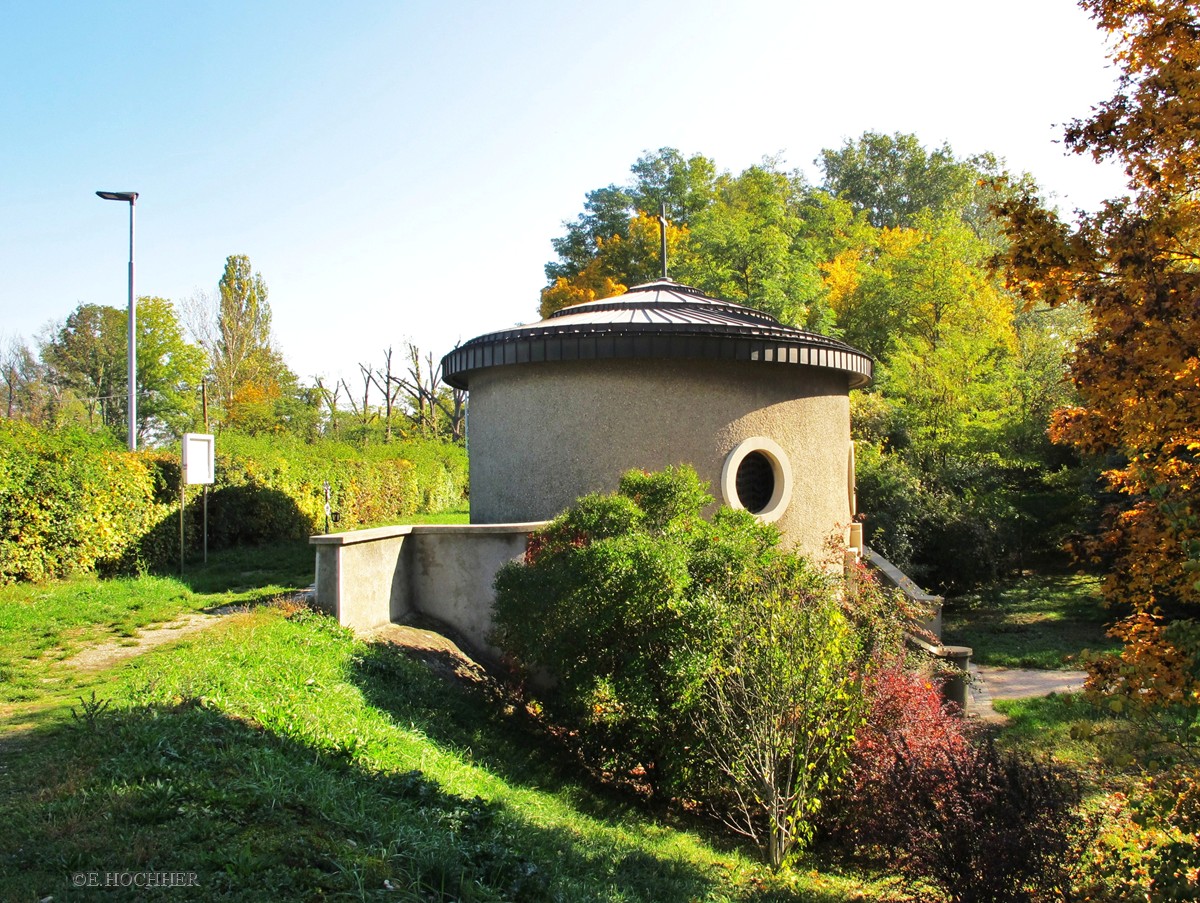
541, 435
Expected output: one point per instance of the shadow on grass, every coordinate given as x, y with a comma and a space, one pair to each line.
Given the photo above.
276, 568
238, 519
1043, 621
471, 714
256, 816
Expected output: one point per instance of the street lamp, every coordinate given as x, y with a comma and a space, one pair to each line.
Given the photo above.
131, 197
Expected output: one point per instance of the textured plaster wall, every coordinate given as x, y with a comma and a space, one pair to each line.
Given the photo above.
360, 576
367, 578
451, 570
541, 435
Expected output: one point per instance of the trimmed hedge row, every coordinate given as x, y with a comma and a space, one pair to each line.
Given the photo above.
73, 501
70, 501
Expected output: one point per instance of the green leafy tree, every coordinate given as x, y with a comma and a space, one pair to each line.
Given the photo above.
611, 214
88, 358
169, 372
744, 246
242, 353
780, 702
893, 178
255, 390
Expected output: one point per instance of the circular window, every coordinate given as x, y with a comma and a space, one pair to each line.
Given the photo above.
757, 477
755, 482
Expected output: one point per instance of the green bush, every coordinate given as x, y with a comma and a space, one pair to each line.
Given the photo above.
381, 484
683, 653
601, 602
74, 501
70, 501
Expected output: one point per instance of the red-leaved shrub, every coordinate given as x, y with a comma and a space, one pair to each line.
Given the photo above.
922, 796
905, 716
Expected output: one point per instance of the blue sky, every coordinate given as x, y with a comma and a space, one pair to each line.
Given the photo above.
396, 170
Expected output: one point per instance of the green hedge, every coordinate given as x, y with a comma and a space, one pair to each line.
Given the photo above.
69, 501
74, 502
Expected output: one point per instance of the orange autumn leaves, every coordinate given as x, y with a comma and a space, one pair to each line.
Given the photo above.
1135, 266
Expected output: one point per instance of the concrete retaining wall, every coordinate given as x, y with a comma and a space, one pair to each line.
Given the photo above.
368, 578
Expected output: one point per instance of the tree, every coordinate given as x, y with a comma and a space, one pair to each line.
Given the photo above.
87, 356
437, 410
745, 245
619, 261
1135, 267
893, 178
252, 385
169, 372
615, 212
780, 702
242, 352
26, 395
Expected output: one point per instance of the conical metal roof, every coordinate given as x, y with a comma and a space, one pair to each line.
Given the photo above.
662, 319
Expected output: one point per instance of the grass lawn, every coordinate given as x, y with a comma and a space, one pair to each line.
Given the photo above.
1040, 621
276, 756
461, 515
42, 624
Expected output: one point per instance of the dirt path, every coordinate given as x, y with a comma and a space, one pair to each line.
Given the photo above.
113, 652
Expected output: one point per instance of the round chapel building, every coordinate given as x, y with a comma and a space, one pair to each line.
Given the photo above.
658, 376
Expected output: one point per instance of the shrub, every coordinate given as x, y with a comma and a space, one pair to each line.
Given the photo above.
695, 653
601, 602
69, 501
995, 827
906, 716
983, 825
779, 704
1150, 845
74, 501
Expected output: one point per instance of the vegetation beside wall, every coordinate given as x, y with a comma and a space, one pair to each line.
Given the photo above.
74, 502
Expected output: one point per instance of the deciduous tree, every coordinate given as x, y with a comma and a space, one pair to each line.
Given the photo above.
893, 177
252, 384
87, 356
1135, 267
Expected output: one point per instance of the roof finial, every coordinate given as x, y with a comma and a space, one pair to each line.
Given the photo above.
662, 228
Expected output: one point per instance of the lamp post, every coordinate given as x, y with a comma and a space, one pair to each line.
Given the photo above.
131, 197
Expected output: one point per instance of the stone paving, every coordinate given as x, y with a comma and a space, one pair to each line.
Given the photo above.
988, 683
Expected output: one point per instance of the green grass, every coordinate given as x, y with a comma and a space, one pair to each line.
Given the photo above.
277, 757
1064, 727
41, 624
459, 515
1041, 621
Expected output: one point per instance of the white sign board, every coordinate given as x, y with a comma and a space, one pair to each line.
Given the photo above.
198, 464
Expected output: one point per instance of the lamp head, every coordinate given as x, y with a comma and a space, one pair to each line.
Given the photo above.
129, 196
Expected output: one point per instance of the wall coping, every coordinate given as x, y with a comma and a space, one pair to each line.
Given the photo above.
374, 534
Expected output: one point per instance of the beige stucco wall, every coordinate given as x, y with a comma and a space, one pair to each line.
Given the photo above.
540, 435
451, 569
368, 578
360, 576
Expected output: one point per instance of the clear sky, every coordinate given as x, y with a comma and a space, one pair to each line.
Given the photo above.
396, 170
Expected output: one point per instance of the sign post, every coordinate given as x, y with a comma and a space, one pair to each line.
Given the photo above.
198, 468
